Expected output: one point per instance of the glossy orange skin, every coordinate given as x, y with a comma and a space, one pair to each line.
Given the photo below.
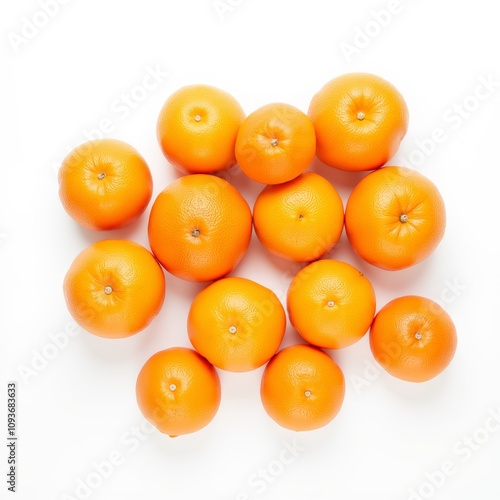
350, 141
394, 342
200, 227
178, 391
110, 202
302, 388
284, 159
331, 304
237, 324
299, 220
197, 129
373, 218
135, 277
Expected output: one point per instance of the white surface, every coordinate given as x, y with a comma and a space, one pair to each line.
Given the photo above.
80, 408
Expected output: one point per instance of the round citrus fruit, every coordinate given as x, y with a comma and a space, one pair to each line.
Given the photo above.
197, 129
395, 218
178, 391
104, 184
114, 288
331, 304
302, 388
413, 338
200, 227
301, 219
236, 324
360, 120
275, 143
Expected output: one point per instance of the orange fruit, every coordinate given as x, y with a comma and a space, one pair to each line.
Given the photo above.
301, 219
413, 338
302, 388
331, 304
275, 143
395, 218
200, 227
197, 129
178, 391
236, 324
360, 120
114, 288
104, 184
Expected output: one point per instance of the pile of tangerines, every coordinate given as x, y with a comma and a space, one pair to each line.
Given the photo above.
200, 228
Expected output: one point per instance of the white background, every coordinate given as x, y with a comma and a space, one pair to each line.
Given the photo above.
79, 407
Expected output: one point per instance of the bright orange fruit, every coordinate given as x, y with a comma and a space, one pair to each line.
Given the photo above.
105, 184
197, 129
178, 391
200, 227
302, 388
299, 220
275, 143
331, 304
413, 338
395, 218
236, 324
360, 120
114, 288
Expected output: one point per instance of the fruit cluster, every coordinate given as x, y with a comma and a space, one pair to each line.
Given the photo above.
200, 228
